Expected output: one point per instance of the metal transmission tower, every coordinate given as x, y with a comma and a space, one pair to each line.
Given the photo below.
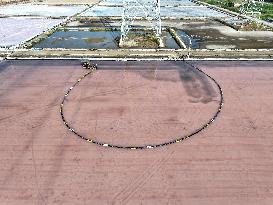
148, 10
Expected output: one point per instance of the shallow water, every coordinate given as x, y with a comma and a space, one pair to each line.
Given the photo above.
74, 39
14, 31
103, 11
177, 3
188, 40
111, 3
200, 11
163, 3
170, 42
40, 10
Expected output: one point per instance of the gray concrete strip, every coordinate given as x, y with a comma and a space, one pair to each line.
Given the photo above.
139, 53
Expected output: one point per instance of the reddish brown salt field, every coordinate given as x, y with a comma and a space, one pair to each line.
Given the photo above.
136, 103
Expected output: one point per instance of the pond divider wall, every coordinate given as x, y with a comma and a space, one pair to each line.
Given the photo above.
177, 38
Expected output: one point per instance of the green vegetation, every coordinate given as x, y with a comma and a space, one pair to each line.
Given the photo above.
234, 5
226, 4
267, 11
145, 39
252, 26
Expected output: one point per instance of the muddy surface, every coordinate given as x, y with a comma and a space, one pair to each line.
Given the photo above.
147, 40
209, 34
43, 163
102, 22
214, 39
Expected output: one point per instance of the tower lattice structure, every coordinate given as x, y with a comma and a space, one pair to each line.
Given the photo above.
148, 10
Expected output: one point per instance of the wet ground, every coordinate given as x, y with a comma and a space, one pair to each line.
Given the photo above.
209, 34
214, 39
87, 23
43, 163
